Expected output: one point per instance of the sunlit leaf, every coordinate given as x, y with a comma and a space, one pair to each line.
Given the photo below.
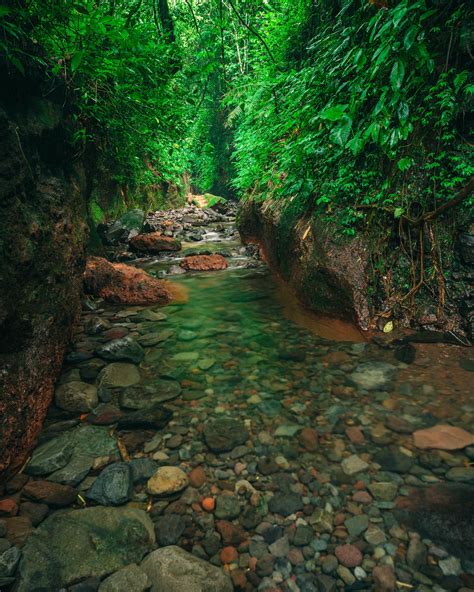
397, 75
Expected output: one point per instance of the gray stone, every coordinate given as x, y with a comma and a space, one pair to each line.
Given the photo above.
149, 418
416, 553
155, 337
461, 474
227, 507
8, 561
74, 472
356, 525
169, 529
76, 397
222, 435
51, 456
373, 375
353, 464
280, 548
330, 564
125, 349
394, 460
119, 374
143, 469
172, 569
384, 492
71, 545
127, 579
285, 503
147, 395
113, 487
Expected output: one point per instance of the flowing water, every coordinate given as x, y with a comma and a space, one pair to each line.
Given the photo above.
300, 440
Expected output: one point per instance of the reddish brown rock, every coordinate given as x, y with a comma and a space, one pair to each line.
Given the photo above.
443, 437
355, 435
53, 494
384, 578
8, 507
349, 555
153, 243
19, 529
204, 263
197, 477
123, 284
231, 533
308, 438
229, 555
239, 579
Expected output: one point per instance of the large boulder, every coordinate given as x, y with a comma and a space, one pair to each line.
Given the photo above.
76, 544
175, 570
154, 243
123, 284
204, 263
77, 397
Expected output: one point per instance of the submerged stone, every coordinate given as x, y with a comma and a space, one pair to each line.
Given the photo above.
119, 374
113, 487
223, 435
125, 349
77, 544
147, 395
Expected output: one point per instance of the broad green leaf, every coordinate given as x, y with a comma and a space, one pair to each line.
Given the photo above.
76, 60
410, 37
397, 75
405, 163
333, 113
398, 212
403, 111
340, 134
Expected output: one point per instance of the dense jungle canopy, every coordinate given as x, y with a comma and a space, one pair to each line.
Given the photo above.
339, 105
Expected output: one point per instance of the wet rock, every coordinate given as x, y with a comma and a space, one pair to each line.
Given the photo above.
394, 460
119, 374
9, 560
105, 540
92, 441
308, 438
74, 472
385, 492
167, 481
197, 477
122, 229
174, 570
35, 512
153, 243
125, 349
204, 263
353, 464
76, 397
280, 548
416, 553
155, 337
51, 456
231, 534
443, 437
285, 504
356, 525
150, 418
169, 529
142, 469
384, 579
222, 435
123, 284
461, 474
373, 375
150, 394
348, 555
127, 579
227, 507
113, 487
52, 494
324, 584
19, 528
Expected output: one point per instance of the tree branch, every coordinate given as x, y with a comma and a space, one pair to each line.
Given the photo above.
252, 30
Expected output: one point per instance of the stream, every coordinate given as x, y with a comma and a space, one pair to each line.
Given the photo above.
247, 443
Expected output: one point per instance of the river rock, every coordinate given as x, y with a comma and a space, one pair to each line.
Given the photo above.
384, 491
443, 437
74, 472
147, 395
127, 579
348, 555
149, 418
76, 544
285, 504
227, 507
166, 481
353, 464
113, 487
76, 397
9, 560
461, 474
51, 456
175, 570
394, 460
223, 435
153, 243
204, 263
168, 529
123, 284
384, 579
125, 349
122, 229
373, 375
119, 374
55, 495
